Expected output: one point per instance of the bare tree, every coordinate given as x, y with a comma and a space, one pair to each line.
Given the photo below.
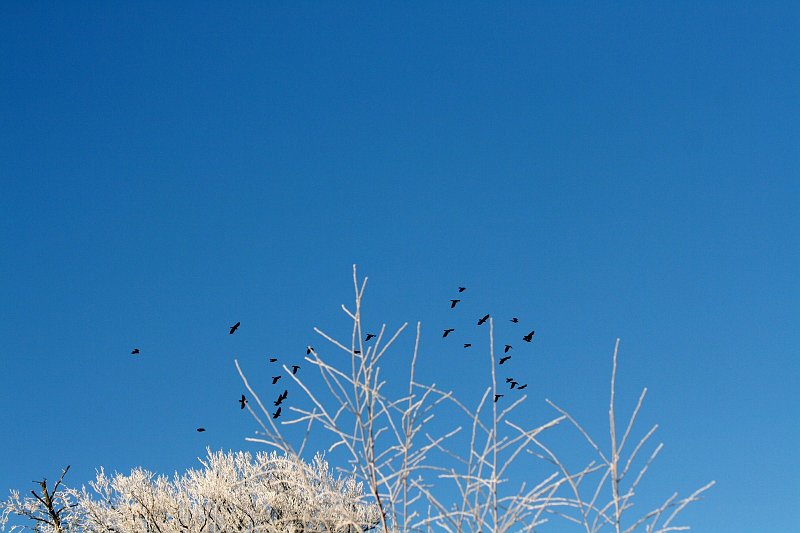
50, 511
411, 467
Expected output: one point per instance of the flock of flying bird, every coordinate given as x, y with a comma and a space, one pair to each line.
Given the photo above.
243, 400
507, 347
282, 396
369, 336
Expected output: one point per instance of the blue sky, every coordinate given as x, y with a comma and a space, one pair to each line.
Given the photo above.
599, 170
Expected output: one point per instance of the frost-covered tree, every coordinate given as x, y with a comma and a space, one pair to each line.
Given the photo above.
433, 463
268, 492
416, 458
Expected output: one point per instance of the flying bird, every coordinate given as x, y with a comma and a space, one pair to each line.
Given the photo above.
508, 347
243, 401
295, 368
462, 289
497, 397
200, 430
275, 379
509, 380
277, 413
484, 319
529, 336
504, 359
522, 386
281, 397
357, 352
273, 359
467, 345
135, 351
369, 336
515, 320
453, 303
234, 328
448, 331
514, 384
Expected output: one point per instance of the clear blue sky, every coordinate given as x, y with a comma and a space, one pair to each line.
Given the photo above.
600, 170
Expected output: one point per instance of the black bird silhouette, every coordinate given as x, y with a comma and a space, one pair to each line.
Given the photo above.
275, 379
369, 336
482, 320
308, 350
273, 359
529, 336
453, 303
357, 352
522, 386
135, 351
462, 289
200, 430
509, 380
515, 320
243, 401
295, 368
448, 331
467, 345
497, 397
514, 384
504, 359
508, 347
285, 394
277, 413
280, 399
234, 328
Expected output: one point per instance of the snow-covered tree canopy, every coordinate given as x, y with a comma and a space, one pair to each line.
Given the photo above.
233, 492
